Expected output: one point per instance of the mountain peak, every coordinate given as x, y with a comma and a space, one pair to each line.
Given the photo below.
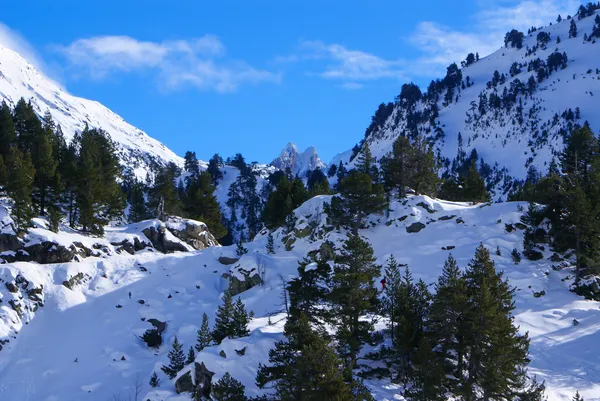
298, 162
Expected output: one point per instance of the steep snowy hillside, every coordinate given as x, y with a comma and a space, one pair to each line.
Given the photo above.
19, 79
83, 343
514, 106
298, 163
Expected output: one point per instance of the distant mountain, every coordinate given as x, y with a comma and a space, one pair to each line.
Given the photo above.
514, 107
298, 163
20, 79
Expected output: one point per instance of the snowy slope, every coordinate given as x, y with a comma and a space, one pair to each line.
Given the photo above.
82, 346
298, 163
498, 136
19, 79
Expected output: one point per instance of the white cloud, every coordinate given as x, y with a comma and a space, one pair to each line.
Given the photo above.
198, 62
441, 45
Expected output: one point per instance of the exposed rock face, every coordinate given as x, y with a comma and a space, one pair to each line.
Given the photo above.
244, 275
197, 380
9, 242
298, 163
193, 233
415, 227
225, 260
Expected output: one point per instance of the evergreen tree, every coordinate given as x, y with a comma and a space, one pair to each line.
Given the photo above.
201, 204
573, 29
8, 137
286, 197
191, 356
138, 210
240, 249
19, 186
164, 193
365, 163
2, 173
99, 196
497, 353
577, 397
393, 281
191, 163
447, 324
353, 296
44, 162
317, 183
303, 367
176, 360
474, 186
241, 318
224, 320
426, 376
154, 380
204, 338
214, 168
270, 244
54, 218
360, 197
228, 389
309, 292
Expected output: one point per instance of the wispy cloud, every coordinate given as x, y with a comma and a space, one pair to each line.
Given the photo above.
442, 45
200, 62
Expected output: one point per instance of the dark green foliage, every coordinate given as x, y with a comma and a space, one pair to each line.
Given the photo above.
411, 165
303, 367
426, 375
138, 209
8, 137
163, 197
286, 197
176, 360
224, 319
543, 38
191, 356
2, 172
353, 295
309, 292
154, 380
516, 256
54, 218
241, 318
474, 186
44, 161
152, 338
191, 163
204, 338
317, 183
573, 29
19, 186
98, 196
228, 389
270, 244
200, 203
214, 168
514, 38
240, 249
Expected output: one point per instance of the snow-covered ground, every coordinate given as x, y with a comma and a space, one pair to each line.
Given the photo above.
83, 344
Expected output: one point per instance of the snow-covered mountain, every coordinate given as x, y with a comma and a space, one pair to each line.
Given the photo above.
298, 163
514, 106
20, 79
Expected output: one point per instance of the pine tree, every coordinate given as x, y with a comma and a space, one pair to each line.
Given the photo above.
154, 380
165, 193
2, 173
393, 281
308, 293
44, 162
201, 204
497, 352
176, 360
228, 389
138, 210
303, 367
573, 29
240, 249
191, 163
360, 197
353, 296
224, 320
447, 325
426, 376
191, 356
204, 338
8, 137
516, 256
152, 338
241, 318
19, 186
54, 218
286, 197
365, 162
474, 186
577, 397
214, 168
270, 244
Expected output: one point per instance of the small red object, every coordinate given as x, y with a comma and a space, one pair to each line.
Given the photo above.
382, 284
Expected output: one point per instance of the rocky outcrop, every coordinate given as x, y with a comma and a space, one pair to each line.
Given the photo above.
130, 247
226, 260
193, 233
415, 227
159, 238
9, 242
197, 380
244, 275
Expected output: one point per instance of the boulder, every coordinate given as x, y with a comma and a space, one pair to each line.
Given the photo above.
50, 252
193, 233
197, 380
9, 242
159, 240
225, 260
415, 227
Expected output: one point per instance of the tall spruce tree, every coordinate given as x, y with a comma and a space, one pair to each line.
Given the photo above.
138, 209
204, 337
8, 137
200, 203
309, 292
19, 186
497, 353
303, 367
45, 163
176, 360
224, 320
214, 168
353, 296
360, 197
241, 318
191, 163
228, 389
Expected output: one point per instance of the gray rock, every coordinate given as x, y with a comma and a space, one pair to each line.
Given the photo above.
158, 238
198, 381
237, 286
185, 384
77, 279
9, 242
222, 354
415, 227
224, 260
194, 233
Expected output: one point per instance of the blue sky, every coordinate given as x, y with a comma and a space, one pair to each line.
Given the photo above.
250, 76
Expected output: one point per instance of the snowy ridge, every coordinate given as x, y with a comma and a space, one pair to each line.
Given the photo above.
529, 131
298, 163
19, 79
97, 325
